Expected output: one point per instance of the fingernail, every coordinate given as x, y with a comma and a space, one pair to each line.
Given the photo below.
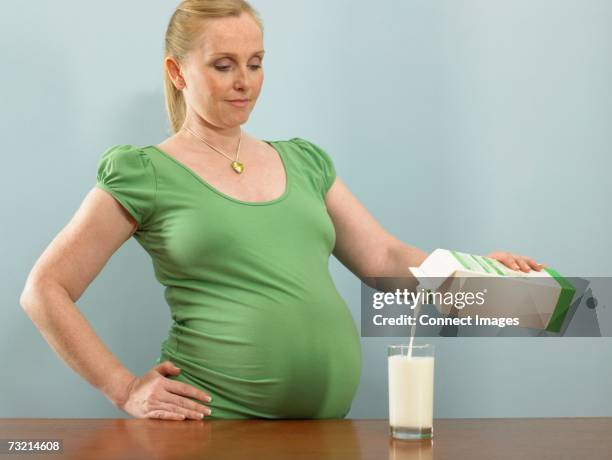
209, 399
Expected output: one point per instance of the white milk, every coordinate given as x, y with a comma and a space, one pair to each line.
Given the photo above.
411, 383
416, 314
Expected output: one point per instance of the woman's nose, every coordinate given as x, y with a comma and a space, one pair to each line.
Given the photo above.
241, 78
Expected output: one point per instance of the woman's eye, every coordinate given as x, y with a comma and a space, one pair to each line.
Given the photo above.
224, 68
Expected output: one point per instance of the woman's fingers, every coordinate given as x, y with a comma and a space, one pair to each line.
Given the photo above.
533, 264
186, 404
516, 262
180, 388
523, 264
172, 411
507, 258
512, 262
178, 408
162, 414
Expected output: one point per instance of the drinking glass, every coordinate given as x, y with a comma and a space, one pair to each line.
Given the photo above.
411, 387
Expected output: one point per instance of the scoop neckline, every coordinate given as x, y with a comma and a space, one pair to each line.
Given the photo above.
224, 195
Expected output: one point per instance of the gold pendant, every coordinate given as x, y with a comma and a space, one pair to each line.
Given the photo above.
238, 167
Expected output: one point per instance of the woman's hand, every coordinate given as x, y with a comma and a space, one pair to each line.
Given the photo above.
155, 396
516, 262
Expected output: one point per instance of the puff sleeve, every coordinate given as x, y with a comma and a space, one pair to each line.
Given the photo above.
126, 173
324, 163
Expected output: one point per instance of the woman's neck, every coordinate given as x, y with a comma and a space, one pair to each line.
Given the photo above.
225, 139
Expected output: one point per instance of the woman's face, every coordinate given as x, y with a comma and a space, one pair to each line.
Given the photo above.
223, 76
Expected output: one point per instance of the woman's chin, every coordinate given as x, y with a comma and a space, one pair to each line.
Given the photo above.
239, 120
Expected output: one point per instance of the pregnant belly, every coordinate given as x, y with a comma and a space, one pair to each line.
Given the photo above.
271, 361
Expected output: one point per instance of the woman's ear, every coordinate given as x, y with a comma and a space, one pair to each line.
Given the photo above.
174, 70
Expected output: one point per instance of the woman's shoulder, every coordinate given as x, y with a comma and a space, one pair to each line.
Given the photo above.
303, 146
125, 157
309, 151
295, 141
126, 172
123, 151
126, 161
313, 157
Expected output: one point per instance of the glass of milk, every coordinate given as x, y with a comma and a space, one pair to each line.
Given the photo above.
411, 386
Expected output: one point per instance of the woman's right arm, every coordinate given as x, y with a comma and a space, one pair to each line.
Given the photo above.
59, 278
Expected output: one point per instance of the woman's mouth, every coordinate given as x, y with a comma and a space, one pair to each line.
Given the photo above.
239, 102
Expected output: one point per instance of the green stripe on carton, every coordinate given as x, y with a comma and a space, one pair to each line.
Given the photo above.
483, 265
563, 302
460, 259
492, 265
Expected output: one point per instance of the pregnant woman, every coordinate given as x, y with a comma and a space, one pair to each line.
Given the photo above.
240, 231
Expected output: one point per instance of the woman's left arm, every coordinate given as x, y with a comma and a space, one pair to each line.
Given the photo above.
363, 245
369, 251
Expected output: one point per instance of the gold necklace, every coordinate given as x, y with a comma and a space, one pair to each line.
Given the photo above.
236, 165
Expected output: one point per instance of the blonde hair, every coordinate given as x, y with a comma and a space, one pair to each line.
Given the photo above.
182, 35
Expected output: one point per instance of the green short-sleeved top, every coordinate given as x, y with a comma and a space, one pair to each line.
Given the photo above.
257, 321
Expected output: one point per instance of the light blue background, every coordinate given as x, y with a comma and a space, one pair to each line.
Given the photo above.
468, 125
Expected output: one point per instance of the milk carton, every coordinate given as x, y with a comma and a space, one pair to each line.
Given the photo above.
539, 300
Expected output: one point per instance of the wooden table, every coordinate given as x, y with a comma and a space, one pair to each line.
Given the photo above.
84, 439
